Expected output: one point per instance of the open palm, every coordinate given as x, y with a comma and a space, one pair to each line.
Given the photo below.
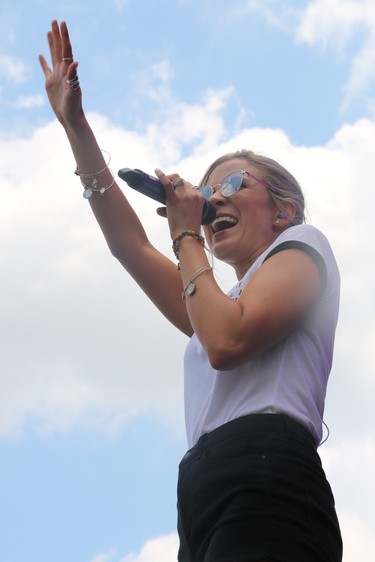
65, 101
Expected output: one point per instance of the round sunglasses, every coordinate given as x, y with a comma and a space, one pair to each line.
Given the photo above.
231, 184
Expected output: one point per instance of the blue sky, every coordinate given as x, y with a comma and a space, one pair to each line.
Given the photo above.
91, 409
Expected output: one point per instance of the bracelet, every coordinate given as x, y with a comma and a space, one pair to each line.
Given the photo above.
177, 240
93, 175
89, 189
190, 287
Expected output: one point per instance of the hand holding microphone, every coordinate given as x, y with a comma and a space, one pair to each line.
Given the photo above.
153, 188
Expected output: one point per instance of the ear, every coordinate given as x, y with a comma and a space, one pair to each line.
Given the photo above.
285, 213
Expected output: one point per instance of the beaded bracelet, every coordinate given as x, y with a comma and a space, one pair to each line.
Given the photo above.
177, 240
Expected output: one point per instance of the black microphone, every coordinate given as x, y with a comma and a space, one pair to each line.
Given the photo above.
152, 187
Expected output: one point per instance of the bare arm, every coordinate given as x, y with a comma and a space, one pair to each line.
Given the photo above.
124, 233
275, 300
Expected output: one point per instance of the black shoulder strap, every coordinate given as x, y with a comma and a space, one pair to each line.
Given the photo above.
297, 245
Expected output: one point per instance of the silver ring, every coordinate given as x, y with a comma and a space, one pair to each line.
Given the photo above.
67, 59
178, 182
74, 82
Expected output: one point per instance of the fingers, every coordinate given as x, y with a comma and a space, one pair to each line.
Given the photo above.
59, 44
55, 43
51, 47
43, 63
72, 70
72, 77
166, 181
162, 176
67, 52
170, 182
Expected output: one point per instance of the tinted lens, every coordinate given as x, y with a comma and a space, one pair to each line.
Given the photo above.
228, 186
206, 191
231, 184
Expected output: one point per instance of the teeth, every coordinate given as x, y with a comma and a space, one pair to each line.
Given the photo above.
223, 219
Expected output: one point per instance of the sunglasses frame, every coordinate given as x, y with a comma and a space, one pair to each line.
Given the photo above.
243, 172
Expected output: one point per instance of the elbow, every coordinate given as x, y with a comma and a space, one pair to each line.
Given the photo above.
220, 364
224, 357
118, 253
116, 250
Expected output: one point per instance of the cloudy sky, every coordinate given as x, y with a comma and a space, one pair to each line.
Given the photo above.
91, 415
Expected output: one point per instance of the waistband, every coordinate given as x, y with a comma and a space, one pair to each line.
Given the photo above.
275, 423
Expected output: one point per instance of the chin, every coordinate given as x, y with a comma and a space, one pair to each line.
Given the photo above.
222, 252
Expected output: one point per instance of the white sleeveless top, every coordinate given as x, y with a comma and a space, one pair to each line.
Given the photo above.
290, 377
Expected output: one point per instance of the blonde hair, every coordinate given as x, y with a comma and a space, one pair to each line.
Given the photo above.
284, 184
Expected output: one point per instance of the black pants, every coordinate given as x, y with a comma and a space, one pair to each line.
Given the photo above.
254, 490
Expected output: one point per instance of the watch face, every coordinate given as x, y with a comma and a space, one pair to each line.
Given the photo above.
190, 289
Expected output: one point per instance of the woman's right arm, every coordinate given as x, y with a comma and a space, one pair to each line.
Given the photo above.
156, 275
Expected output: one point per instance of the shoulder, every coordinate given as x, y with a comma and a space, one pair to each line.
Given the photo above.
304, 237
306, 233
310, 240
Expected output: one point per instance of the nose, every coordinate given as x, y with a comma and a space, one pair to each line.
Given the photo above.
217, 198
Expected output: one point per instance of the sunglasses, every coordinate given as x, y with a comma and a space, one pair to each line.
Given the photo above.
231, 184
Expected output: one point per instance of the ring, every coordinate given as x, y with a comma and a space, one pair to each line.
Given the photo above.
74, 82
178, 182
67, 59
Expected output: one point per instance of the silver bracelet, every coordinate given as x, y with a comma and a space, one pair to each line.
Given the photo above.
93, 175
190, 287
90, 189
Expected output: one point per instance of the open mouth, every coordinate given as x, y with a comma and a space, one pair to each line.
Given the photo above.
223, 223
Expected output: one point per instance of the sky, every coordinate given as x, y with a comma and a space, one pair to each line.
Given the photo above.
91, 404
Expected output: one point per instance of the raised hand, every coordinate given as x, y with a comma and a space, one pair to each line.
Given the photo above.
62, 84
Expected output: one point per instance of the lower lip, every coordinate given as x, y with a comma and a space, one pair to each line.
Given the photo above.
223, 231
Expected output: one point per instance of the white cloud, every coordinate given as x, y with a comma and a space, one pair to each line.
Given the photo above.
29, 102
13, 68
154, 81
82, 347
333, 21
336, 22
358, 537
362, 73
86, 352
331, 24
350, 467
198, 126
104, 557
161, 549
276, 13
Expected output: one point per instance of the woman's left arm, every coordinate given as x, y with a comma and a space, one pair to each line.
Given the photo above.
275, 300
